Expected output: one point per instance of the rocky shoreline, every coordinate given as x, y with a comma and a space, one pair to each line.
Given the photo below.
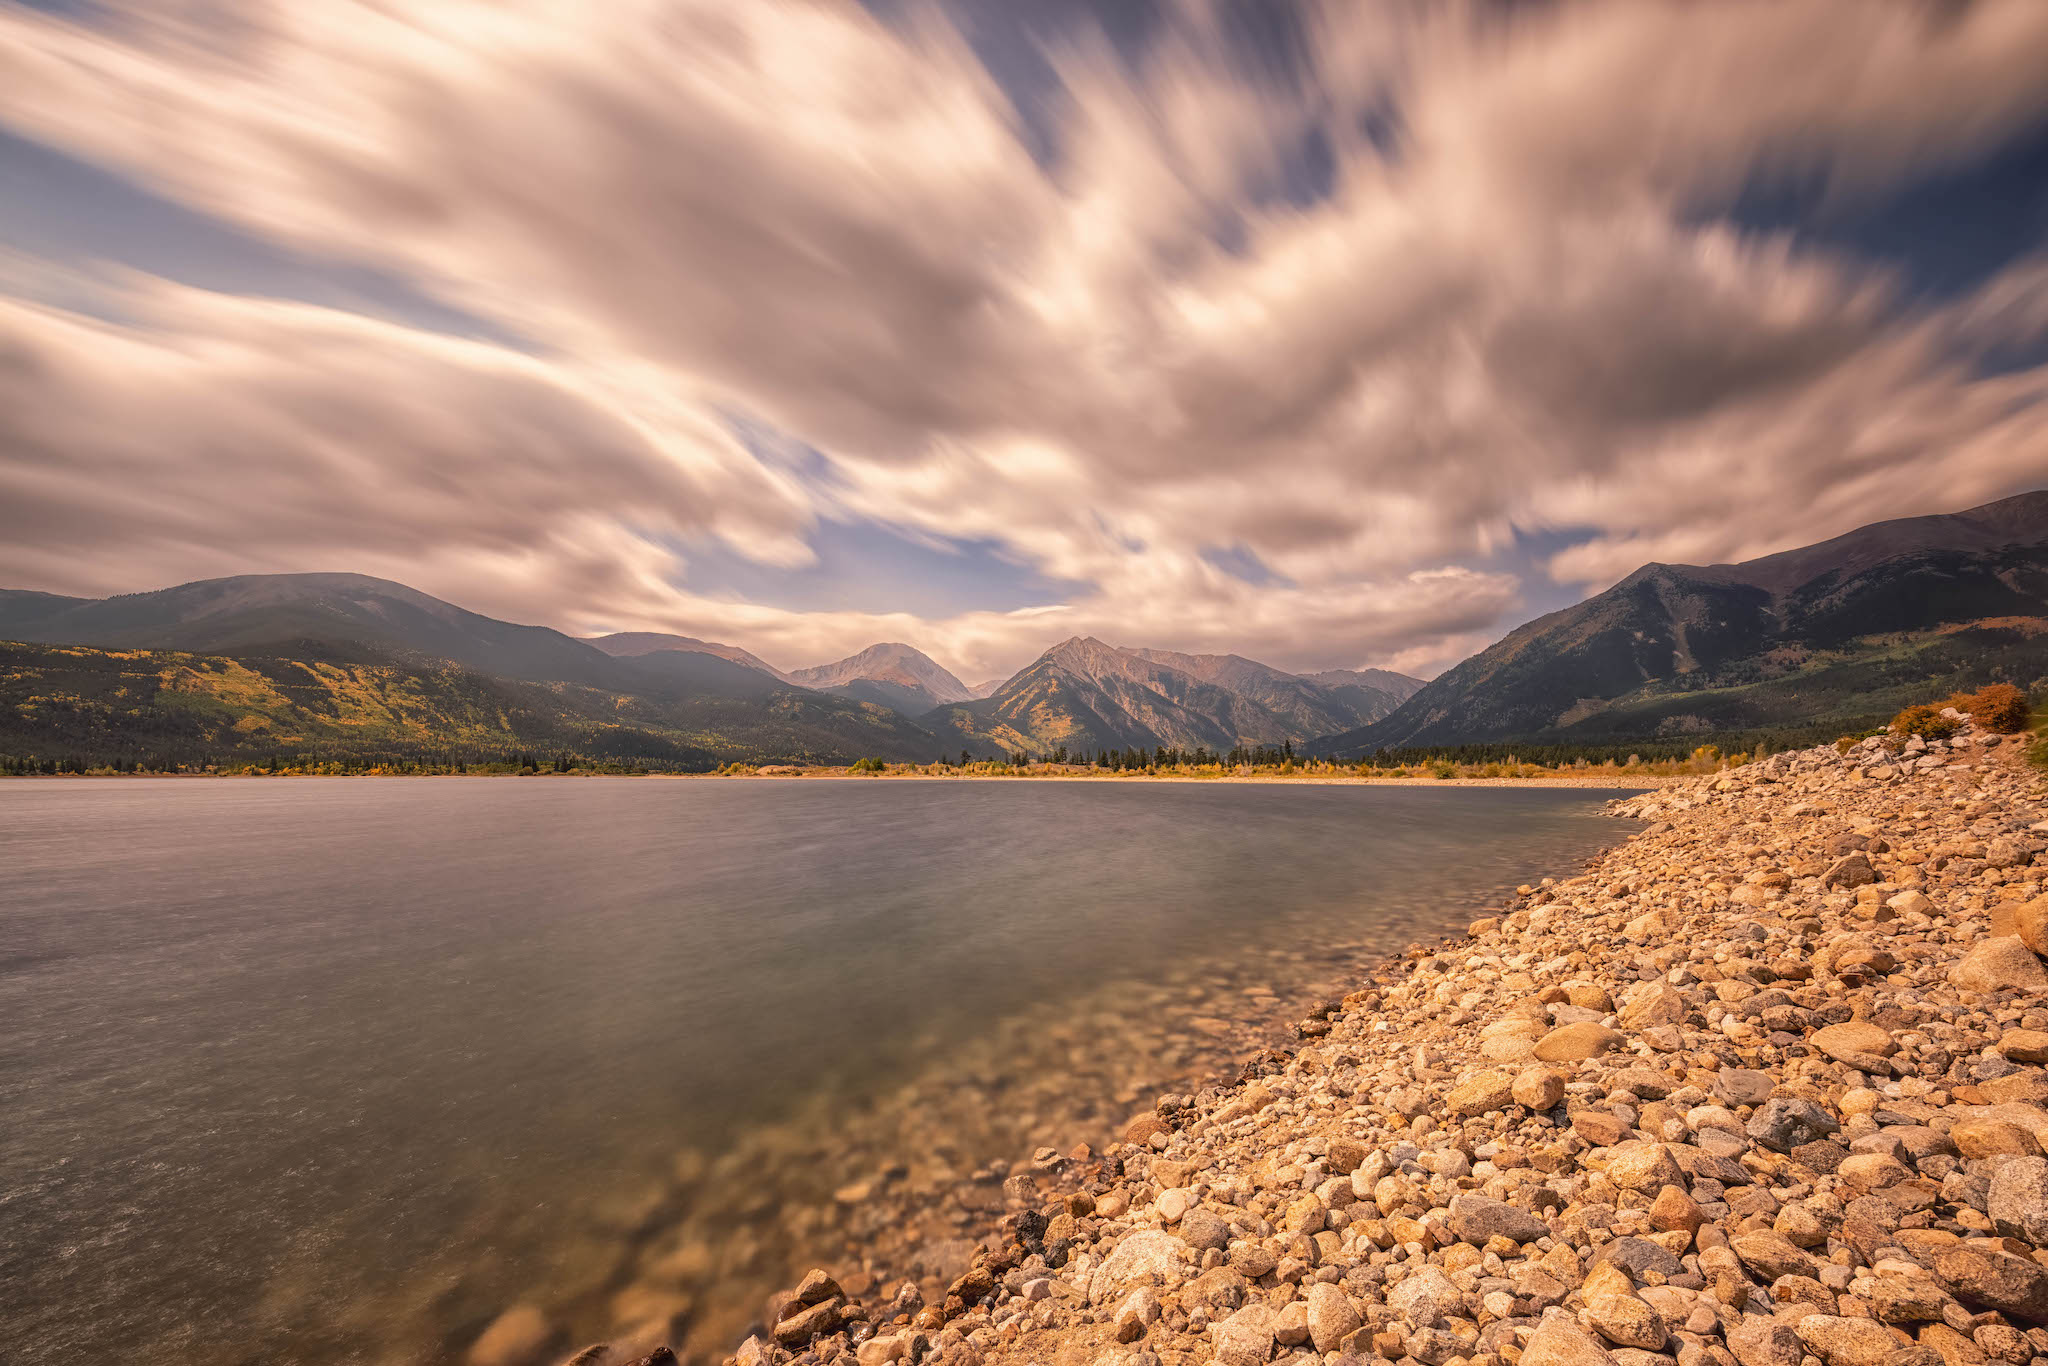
1758, 1087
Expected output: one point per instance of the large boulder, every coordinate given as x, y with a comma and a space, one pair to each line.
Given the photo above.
2019, 1199
1246, 1337
1476, 1219
2000, 963
1649, 1004
1145, 1253
2030, 923
1763, 1341
1858, 1043
1995, 1280
1481, 1092
1576, 1042
1559, 1341
1847, 1342
1332, 1316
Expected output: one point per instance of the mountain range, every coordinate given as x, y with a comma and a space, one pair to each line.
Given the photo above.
348, 665
1838, 634
1830, 635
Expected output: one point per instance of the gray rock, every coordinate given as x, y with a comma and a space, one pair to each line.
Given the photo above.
1742, 1086
1762, 1341
1637, 1255
1476, 1219
1202, 1230
1146, 1253
2018, 1202
1246, 1337
1425, 1297
1785, 1123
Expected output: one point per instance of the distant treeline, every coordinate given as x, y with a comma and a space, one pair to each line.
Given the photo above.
409, 761
1664, 748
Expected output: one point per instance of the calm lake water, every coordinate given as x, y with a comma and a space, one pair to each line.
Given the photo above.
333, 1070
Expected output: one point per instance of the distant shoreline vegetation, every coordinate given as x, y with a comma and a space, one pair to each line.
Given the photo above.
2000, 707
1467, 761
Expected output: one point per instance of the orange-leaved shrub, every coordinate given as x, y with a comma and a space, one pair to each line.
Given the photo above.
1926, 721
1997, 707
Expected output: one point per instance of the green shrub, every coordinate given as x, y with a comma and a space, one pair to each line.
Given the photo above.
1443, 768
866, 766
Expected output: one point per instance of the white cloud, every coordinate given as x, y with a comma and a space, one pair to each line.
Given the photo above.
1522, 316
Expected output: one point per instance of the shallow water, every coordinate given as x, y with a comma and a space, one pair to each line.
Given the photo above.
333, 1070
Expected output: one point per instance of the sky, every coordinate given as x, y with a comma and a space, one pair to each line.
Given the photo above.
1335, 335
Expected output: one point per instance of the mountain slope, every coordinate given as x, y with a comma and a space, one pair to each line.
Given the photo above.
1089, 696
105, 706
1842, 631
639, 644
354, 615
717, 707
893, 675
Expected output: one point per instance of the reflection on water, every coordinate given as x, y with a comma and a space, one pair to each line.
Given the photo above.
336, 1070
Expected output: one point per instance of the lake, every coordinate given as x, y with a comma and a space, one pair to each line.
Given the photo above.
334, 1070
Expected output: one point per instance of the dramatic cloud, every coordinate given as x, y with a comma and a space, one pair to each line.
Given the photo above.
1278, 352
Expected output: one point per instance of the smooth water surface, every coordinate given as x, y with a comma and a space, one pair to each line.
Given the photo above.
330, 1070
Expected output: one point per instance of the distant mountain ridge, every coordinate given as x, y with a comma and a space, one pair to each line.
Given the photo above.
1842, 631
1087, 696
639, 644
893, 675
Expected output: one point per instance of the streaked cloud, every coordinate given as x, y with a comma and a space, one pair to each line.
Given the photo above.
1117, 333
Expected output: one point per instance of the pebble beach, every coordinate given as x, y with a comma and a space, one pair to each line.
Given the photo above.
1761, 1085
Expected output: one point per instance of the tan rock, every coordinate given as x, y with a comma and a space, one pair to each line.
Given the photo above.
1626, 1321
1606, 1279
1577, 1042
1644, 1167
2029, 1086
2001, 963
1858, 1043
1652, 927
2030, 923
1676, 1212
1992, 1138
1332, 1316
1762, 1341
1847, 1342
1989, 1279
1481, 1092
1601, 1128
1538, 1088
1589, 996
1873, 1171
1559, 1341
1649, 1004
1772, 1255
2025, 1045
1952, 1347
